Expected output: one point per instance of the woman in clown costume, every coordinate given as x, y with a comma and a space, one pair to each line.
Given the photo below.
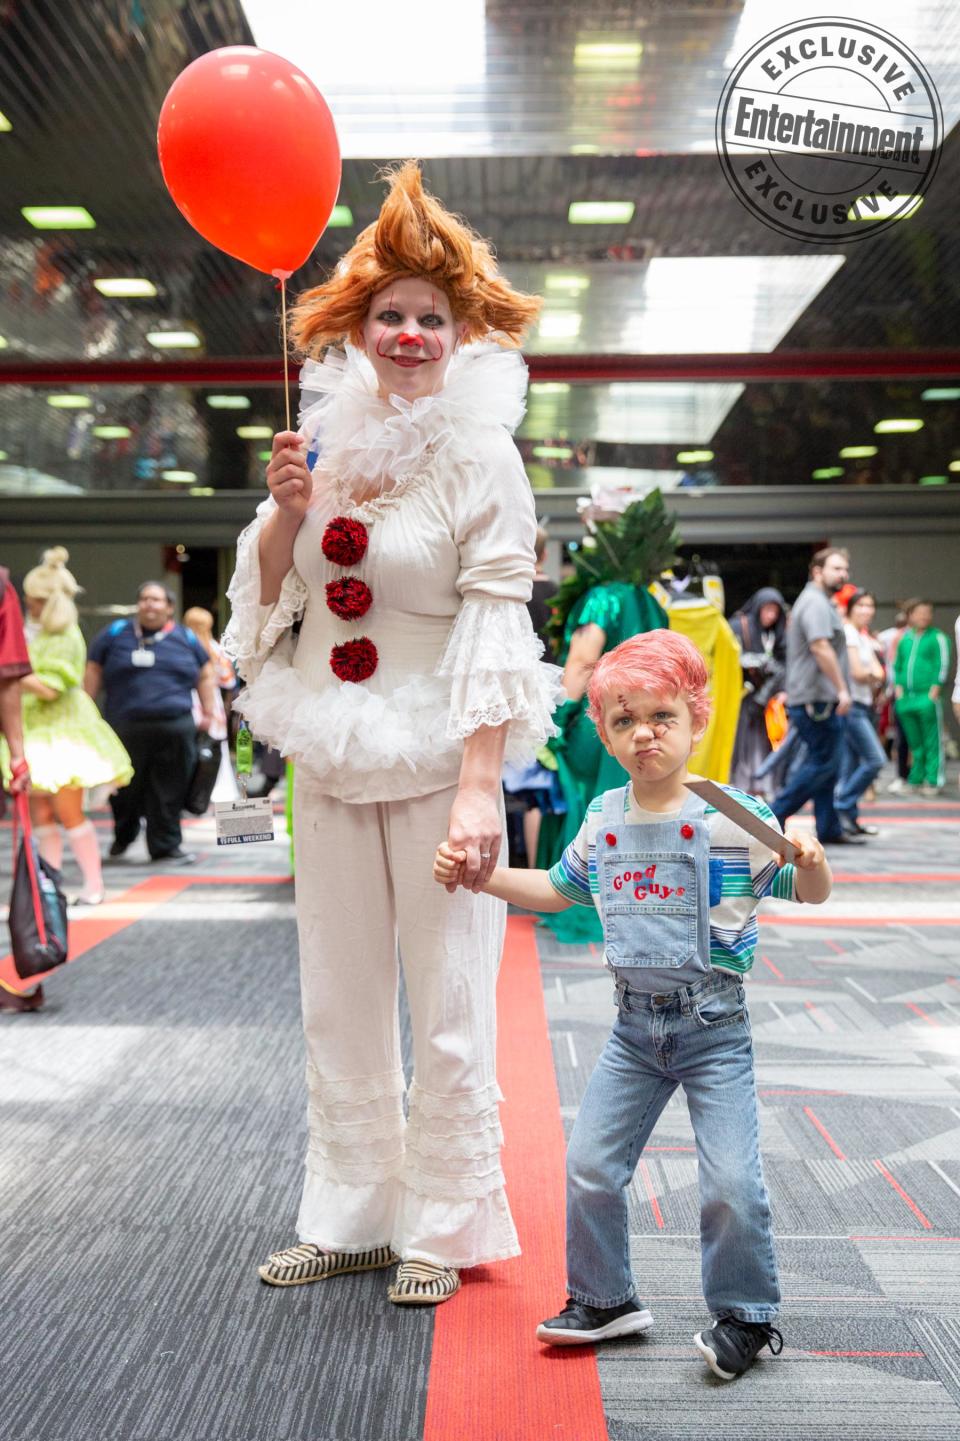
407, 554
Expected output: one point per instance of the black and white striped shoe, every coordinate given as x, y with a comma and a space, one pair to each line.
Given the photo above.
306, 1262
423, 1283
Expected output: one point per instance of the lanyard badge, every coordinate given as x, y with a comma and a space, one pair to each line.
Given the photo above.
240, 823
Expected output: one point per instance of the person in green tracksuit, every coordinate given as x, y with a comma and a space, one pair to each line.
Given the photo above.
920, 669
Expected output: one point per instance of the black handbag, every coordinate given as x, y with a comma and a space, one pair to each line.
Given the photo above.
205, 774
38, 907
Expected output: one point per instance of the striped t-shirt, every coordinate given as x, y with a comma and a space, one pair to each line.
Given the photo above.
749, 872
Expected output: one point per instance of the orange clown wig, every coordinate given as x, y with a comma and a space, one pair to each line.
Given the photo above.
413, 236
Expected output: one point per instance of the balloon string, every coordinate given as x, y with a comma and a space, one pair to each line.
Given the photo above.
286, 357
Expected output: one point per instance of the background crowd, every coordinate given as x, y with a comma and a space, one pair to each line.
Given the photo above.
823, 701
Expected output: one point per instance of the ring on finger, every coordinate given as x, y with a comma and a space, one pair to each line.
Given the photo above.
485, 855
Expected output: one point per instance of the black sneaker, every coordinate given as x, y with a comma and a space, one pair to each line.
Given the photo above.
580, 1325
730, 1347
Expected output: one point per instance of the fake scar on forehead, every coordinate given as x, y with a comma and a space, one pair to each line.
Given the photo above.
404, 338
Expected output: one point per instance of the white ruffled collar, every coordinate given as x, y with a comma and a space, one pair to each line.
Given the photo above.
361, 437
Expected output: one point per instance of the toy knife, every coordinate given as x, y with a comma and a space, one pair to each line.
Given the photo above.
722, 801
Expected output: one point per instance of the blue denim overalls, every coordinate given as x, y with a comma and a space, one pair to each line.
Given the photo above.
652, 878
680, 1022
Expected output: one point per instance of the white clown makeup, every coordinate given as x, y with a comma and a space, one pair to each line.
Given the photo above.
409, 336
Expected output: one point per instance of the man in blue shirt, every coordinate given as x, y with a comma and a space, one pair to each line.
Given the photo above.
148, 668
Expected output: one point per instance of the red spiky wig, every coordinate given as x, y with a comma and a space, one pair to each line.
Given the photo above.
413, 236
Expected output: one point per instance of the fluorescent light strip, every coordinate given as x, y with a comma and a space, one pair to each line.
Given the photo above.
174, 339
4, 123
943, 393
600, 212
693, 457
607, 55
182, 477
112, 432
58, 217
228, 402
254, 432
897, 427
69, 402
127, 287
563, 325
857, 452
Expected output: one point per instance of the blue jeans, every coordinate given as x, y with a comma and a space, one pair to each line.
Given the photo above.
816, 777
862, 760
697, 1037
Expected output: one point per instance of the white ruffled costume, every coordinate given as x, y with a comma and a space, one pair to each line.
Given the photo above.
440, 487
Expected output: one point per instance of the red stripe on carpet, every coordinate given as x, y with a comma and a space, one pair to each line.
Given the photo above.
87, 931
489, 1376
866, 1353
919, 1011
825, 1134
927, 1225
864, 921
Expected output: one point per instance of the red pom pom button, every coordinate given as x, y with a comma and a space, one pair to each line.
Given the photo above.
355, 660
611, 839
344, 541
687, 832
348, 597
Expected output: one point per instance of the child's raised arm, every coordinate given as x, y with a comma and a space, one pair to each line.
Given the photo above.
531, 890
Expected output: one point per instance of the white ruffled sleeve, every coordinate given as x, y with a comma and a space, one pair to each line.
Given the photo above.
492, 656
255, 629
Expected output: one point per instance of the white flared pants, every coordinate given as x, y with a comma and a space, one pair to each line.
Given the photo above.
430, 1184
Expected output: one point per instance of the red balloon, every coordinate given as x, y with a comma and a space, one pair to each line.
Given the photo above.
249, 152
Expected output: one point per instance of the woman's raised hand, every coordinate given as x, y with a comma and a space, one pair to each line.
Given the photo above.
288, 478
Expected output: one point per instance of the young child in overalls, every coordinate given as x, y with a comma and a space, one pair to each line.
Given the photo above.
676, 884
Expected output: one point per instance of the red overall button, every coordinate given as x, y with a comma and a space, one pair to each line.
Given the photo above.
611, 839
687, 832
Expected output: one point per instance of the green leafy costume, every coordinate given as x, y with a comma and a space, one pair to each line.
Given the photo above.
608, 589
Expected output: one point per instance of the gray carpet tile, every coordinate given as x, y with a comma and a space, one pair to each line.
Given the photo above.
154, 1134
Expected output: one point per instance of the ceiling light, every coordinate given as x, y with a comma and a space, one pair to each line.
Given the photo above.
897, 427
607, 55
112, 432
125, 286
564, 325
58, 217
69, 402
567, 284
182, 477
4, 122
341, 215
600, 212
254, 432
954, 465
550, 387
170, 339
933, 480
3, 342
884, 207
829, 472
693, 457
553, 452
857, 452
587, 149
3, 455
201, 490
228, 402
941, 394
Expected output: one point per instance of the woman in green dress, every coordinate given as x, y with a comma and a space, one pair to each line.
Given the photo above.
68, 745
604, 602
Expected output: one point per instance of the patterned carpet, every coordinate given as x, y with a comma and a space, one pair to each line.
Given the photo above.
153, 1136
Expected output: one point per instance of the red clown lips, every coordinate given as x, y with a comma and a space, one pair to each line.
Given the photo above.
355, 660
348, 597
344, 541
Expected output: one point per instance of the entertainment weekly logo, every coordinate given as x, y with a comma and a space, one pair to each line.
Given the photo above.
829, 130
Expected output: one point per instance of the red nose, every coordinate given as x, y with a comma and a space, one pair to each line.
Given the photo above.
406, 339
